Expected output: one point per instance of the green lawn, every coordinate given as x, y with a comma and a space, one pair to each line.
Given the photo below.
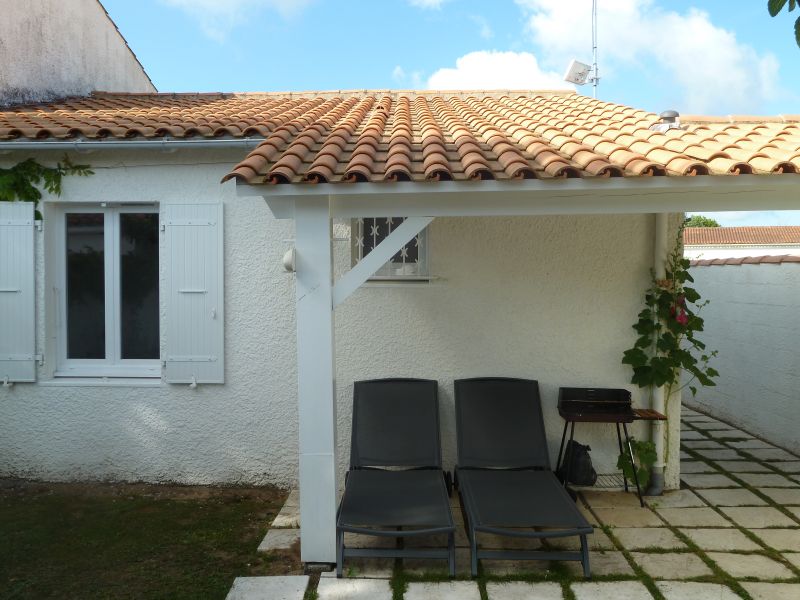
131, 541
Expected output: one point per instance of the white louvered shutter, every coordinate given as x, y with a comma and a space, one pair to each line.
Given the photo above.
195, 316
17, 303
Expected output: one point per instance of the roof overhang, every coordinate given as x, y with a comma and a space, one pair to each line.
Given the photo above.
539, 197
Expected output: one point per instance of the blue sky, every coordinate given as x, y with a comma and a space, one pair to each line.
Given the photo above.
706, 57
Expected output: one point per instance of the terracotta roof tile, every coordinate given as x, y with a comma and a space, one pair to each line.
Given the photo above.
748, 260
772, 235
342, 136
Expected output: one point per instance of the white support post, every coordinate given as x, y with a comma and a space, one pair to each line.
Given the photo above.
366, 267
316, 381
659, 268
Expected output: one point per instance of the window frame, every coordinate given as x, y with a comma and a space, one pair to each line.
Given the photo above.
357, 229
113, 365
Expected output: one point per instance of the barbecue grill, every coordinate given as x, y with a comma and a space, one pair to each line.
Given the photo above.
601, 405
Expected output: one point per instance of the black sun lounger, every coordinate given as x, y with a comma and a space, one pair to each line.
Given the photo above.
395, 486
504, 477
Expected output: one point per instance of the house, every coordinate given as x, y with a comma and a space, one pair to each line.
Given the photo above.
53, 49
152, 330
708, 243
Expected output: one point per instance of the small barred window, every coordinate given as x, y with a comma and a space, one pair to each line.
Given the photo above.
411, 262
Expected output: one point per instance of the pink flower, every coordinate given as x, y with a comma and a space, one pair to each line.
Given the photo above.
682, 318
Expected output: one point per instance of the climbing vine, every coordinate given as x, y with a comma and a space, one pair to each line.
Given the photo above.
22, 182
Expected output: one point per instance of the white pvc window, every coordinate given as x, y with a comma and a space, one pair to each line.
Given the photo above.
410, 262
108, 291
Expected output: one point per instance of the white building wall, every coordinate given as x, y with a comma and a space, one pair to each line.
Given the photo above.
57, 48
737, 251
754, 322
551, 298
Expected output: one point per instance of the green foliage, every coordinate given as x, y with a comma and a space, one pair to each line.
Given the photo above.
776, 6
667, 345
701, 221
645, 456
22, 181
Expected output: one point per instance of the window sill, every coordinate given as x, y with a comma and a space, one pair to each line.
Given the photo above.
101, 382
401, 279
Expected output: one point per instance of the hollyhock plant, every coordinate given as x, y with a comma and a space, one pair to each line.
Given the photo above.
667, 352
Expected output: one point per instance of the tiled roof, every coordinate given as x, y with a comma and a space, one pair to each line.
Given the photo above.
747, 260
397, 136
712, 236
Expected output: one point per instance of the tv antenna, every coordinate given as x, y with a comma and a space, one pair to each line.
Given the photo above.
578, 72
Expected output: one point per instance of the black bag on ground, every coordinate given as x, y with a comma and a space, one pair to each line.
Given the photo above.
578, 464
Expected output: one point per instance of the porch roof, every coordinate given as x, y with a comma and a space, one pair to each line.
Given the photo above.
377, 136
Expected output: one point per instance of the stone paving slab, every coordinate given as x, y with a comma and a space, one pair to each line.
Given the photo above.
451, 590
772, 591
722, 540
712, 480
742, 466
603, 563
693, 517
611, 590
711, 424
639, 538
628, 517
354, 589
703, 445
696, 466
793, 557
795, 510
686, 456
728, 434
521, 590
268, 588
597, 541
677, 499
780, 539
425, 566
692, 435
736, 497
293, 499
672, 565
279, 539
516, 568
289, 516
681, 590
767, 480
783, 496
772, 454
598, 499
753, 566
788, 467
364, 568
727, 454
758, 517
751, 443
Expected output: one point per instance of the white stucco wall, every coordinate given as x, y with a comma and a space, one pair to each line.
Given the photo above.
56, 48
754, 322
551, 298
738, 251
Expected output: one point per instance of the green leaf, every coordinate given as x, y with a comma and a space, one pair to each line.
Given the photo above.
693, 389
792, 4
775, 6
797, 31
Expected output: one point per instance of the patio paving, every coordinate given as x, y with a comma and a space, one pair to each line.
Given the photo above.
739, 507
269, 588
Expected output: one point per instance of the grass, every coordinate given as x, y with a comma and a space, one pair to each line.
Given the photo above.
130, 541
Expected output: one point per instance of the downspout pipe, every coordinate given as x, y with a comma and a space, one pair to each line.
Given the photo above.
159, 144
659, 401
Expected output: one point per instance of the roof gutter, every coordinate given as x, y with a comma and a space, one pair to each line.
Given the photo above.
160, 144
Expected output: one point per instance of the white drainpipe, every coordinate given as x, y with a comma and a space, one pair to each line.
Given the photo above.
659, 267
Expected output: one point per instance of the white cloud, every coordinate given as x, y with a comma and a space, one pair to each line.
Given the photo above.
708, 69
491, 69
218, 18
411, 80
484, 29
427, 4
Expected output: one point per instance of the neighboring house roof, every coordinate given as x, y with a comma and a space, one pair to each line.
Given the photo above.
759, 236
747, 260
377, 136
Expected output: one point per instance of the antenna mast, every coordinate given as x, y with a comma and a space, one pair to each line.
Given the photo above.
594, 78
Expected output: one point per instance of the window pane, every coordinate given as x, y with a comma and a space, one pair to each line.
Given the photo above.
86, 288
139, 312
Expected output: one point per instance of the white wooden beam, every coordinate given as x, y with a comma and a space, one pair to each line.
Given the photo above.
616, 195
660, 252
316, 381
366, 267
